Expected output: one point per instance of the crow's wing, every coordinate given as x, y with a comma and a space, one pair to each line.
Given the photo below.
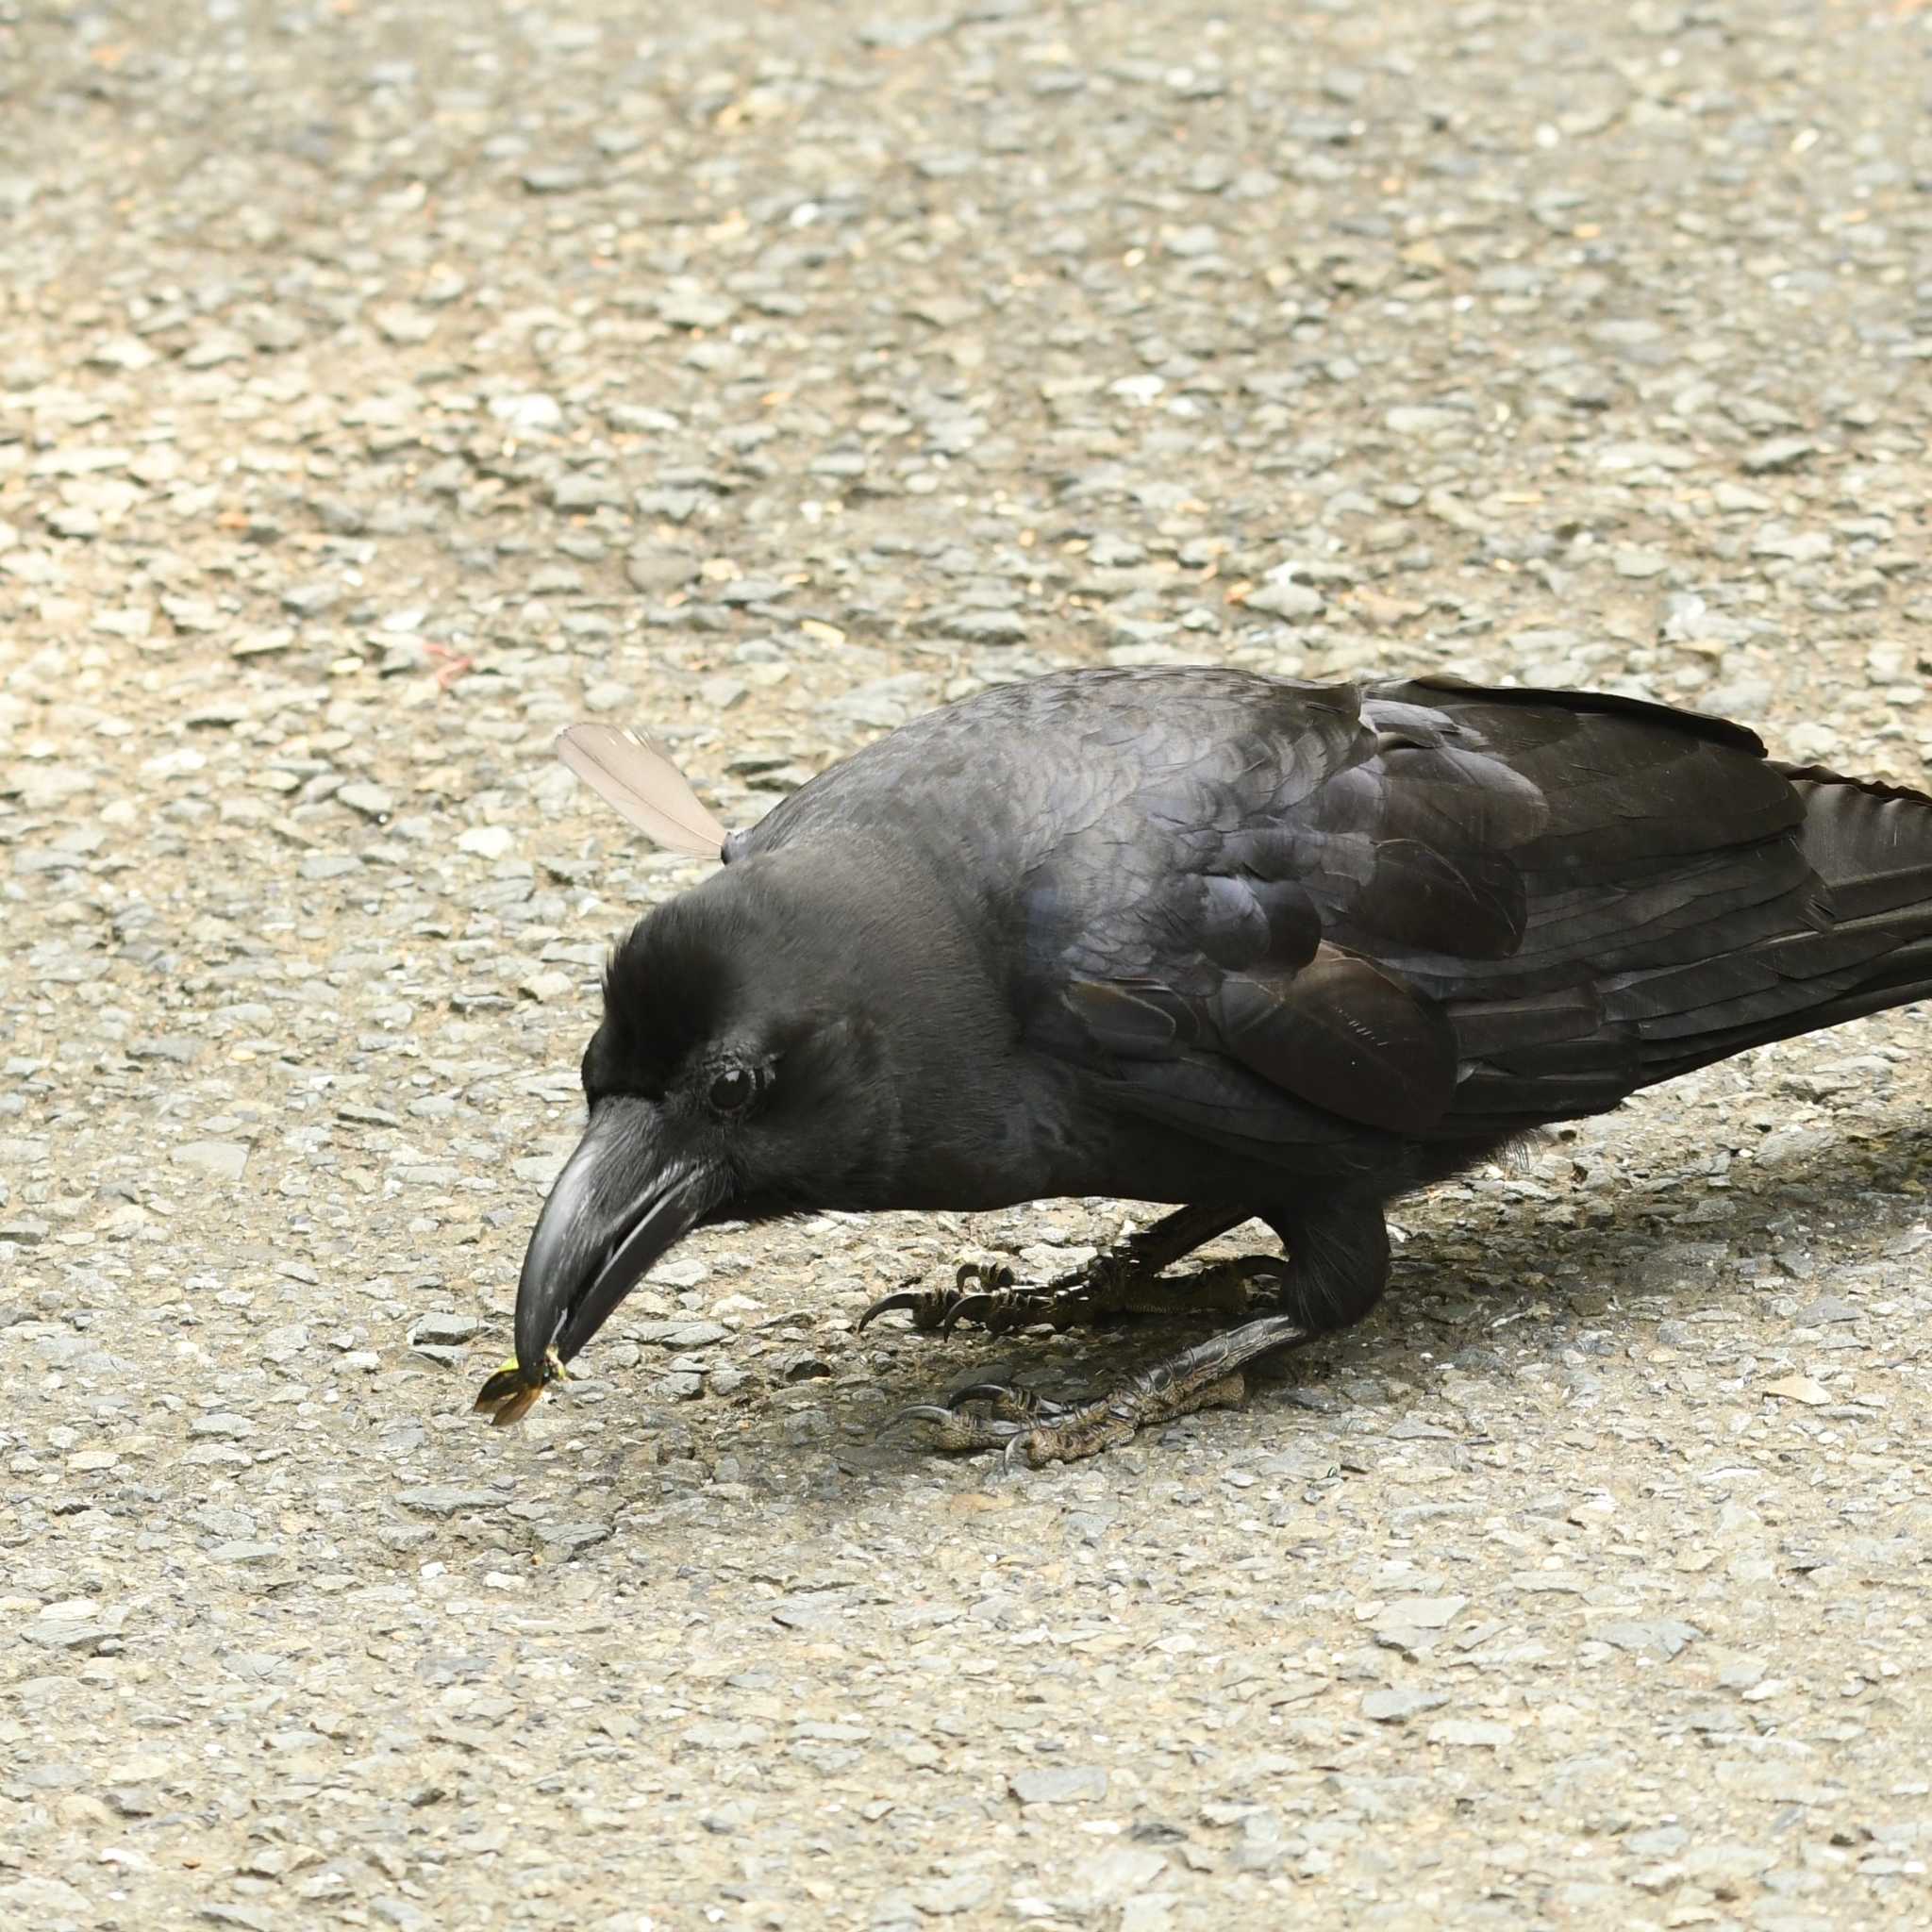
1484, 909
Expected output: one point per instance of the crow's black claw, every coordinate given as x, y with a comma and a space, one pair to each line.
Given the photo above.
916, 1412
978, 1391
955, 1432
904, 1298
969, 1308
987, 1276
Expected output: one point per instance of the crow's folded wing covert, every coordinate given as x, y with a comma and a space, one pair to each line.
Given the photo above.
1458, 912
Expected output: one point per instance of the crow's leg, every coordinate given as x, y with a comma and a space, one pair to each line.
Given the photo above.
1338, 1265
1123, 1280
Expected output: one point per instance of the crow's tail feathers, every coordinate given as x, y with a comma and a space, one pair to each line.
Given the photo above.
1869, 844
1870, 841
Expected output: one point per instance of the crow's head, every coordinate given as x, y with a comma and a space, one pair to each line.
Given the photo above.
736, 1074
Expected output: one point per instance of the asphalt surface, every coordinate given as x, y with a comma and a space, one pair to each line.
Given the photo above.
382, 387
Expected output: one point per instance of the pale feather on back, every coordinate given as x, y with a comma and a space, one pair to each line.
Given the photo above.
633, 776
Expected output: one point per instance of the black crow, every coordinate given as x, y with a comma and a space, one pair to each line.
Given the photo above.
1255, 947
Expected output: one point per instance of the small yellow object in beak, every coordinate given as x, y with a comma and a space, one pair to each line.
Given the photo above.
507, 1398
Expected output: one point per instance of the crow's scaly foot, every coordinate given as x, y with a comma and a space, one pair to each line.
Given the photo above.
1123, 1280
1110, 1285
1030, 1428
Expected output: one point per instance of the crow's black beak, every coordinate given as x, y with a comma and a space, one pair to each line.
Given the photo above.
621, 1203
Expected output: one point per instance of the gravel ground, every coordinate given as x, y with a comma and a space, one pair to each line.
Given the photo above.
382, 385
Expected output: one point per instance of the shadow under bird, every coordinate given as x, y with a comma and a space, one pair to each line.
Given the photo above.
1253, 948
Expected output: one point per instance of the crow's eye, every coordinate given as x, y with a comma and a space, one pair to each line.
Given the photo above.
733, 1090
